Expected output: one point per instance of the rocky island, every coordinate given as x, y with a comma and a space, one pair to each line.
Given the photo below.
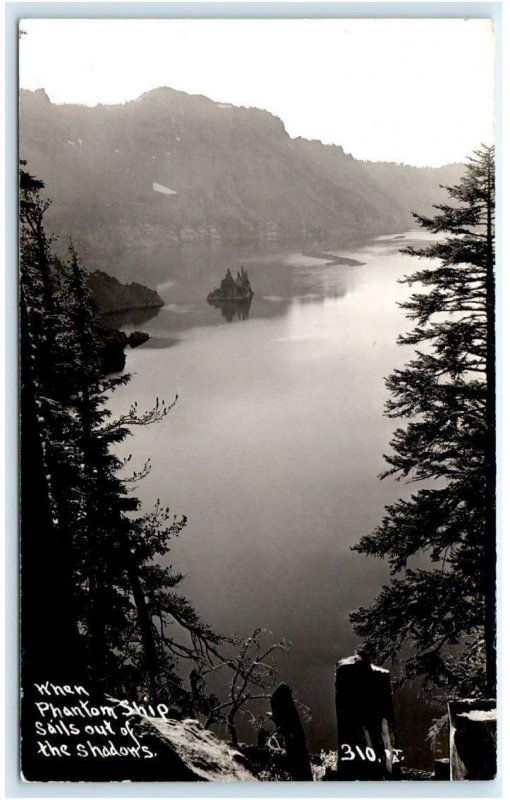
233, 290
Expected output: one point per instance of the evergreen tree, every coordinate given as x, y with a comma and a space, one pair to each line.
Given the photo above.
442, 619
96, 605
100, 604
47, 430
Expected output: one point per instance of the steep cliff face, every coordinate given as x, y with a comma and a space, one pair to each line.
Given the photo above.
170, 168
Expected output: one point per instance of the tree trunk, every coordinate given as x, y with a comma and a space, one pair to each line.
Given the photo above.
286, 719
146, 627
232, 727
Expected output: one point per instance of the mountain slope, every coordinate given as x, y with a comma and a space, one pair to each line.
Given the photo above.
169, 168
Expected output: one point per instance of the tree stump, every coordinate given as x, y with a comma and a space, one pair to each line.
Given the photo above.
286, 719
365, 722
472, 740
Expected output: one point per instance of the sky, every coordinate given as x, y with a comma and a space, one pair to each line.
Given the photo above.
414, 91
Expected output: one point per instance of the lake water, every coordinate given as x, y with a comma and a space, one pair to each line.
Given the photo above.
274, 447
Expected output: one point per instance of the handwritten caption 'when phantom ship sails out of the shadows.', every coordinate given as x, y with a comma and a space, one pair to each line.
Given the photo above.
89, 731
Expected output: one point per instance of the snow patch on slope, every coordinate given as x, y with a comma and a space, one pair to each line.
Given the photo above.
158, 187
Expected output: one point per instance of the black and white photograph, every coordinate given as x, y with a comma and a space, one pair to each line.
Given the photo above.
257, 395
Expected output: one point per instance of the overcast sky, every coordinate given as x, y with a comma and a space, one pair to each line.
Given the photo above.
417, 91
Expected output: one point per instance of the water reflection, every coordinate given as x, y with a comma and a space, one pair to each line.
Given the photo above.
233, 309
129, 318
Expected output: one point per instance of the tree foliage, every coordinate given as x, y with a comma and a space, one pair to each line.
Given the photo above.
101, 604
98, 603
431, 614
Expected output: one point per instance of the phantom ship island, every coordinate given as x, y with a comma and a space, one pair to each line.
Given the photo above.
233, 297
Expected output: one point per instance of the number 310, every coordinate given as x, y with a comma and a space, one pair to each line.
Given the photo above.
368, 754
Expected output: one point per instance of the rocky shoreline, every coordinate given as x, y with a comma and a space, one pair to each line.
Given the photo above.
111, 299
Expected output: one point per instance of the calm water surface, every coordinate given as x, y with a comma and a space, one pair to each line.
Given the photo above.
274, 447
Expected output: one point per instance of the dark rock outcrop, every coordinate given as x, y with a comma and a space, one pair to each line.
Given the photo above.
111, 296
136, 338
232, 289
113, 343
113, 346
112, 299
